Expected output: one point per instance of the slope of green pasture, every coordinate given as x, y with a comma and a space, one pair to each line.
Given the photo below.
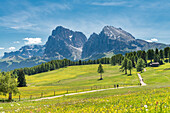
74, 78
80, 75
157, 75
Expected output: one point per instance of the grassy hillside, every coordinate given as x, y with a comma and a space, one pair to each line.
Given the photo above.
153, 98
74, 78
157, 75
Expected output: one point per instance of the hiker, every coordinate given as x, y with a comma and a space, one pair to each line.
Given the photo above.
114, 86
117, 86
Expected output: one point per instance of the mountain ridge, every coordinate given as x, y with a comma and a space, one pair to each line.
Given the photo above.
73, 45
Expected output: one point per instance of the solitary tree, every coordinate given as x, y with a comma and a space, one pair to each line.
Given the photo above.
8, 85
129, 66
124, 66
140, 65
100, 70
21, 79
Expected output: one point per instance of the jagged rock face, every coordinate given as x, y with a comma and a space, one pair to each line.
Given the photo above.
109, 39
115, 40
116, 34
66, 43
26, 52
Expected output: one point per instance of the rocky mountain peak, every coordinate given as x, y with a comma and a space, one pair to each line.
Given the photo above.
26, 51
65, 42
116, 34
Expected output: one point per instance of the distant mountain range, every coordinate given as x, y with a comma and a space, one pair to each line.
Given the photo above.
26, 52
115, 40
73, 45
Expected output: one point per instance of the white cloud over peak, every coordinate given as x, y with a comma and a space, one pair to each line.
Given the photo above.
1, 48
16, 42
152, 40
29, 41
12, 48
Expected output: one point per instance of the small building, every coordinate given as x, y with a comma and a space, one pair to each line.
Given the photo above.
154, 64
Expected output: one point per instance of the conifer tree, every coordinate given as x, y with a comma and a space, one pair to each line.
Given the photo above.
113, 60
156, 51
100, 70
129, 66
150, 54
124, 66
21, 79
169, 55
140, 65
166, 50
161, 54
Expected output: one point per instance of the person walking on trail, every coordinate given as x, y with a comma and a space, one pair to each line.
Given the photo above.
114, 86
117, 86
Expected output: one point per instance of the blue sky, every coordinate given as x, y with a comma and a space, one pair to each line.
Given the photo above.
25, 22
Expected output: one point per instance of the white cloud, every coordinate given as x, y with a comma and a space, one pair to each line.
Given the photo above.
109, 3
32, 41
12, 48
16, 42
152, 40
1, 48
26, 26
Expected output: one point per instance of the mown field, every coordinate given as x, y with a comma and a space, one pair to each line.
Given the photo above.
153, 98
74, 78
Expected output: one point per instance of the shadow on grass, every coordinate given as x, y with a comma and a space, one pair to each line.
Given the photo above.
100, 79
5, 100
129, 75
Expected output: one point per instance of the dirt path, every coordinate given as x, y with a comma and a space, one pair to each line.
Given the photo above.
80, 93
144, 70
141, 79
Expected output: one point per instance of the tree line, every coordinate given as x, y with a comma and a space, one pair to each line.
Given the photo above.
56, 64
139, 59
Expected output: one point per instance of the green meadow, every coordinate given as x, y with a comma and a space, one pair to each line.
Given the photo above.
74, 78
152, 98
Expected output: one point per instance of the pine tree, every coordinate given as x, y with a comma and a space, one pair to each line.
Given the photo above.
150, 54
129, 66
113, 60
161, 54
124, 65
80, 63
156, 58
156, 51
166, 50
169, 55
21, 79
140, 65
100, 70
